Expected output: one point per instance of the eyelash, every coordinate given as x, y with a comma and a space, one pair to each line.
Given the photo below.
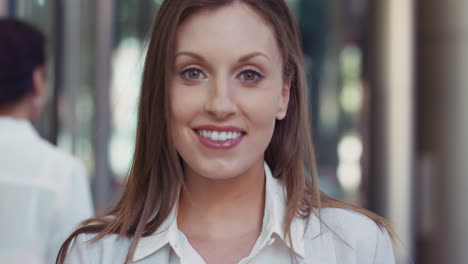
185, 73
257, 76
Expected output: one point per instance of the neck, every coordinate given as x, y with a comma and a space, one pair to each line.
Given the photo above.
222, 208
20, 111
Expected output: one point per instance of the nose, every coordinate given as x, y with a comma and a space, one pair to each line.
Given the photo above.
219, 103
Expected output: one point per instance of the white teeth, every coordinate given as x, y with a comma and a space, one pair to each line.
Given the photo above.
222, 136
219, 136
215, 135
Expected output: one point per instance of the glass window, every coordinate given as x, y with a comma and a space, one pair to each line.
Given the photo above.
133, 22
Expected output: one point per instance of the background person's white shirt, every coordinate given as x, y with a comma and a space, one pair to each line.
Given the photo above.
348, 237
44, 195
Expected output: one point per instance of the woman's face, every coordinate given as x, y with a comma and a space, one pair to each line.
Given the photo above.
226, 91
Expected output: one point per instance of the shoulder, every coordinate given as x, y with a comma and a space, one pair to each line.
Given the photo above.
109, 241
50, 157
352, 235
348, 223
65, 169
60, 157
109, 249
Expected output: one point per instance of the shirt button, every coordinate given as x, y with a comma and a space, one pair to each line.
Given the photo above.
271, 241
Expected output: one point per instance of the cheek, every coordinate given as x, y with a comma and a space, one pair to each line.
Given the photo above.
261, 108
262, 114
184, 104
183, 108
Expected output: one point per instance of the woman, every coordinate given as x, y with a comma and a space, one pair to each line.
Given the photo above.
223, 148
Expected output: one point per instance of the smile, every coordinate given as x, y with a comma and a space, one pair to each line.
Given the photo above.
219, 135
219, 138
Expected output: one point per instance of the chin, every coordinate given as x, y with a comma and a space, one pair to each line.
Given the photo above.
220, 176
220, 169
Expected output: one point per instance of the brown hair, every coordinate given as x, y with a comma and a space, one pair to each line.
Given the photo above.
156, 175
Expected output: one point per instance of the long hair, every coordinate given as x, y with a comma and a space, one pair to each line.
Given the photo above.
156, 175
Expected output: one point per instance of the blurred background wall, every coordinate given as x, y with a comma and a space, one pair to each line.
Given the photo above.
442, 54
388, 86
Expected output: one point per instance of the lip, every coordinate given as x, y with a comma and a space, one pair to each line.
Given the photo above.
224, 145
219, 128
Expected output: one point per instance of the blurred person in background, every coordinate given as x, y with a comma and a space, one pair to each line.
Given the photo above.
44, 192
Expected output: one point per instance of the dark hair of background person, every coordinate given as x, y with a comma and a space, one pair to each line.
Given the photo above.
21, 52
156, 176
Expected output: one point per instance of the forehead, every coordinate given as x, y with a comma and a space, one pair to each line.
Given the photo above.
236, 28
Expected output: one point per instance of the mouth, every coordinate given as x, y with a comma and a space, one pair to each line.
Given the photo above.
219, 137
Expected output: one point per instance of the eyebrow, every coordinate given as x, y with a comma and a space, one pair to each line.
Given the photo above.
242, 59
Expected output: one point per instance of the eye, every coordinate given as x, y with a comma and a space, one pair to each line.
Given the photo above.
250, 76
192, 74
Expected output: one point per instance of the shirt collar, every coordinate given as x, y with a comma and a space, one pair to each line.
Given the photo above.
275, 211
275, 208
165, 234
17, 127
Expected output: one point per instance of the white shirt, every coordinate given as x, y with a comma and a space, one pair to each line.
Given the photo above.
44, 195
348, 237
